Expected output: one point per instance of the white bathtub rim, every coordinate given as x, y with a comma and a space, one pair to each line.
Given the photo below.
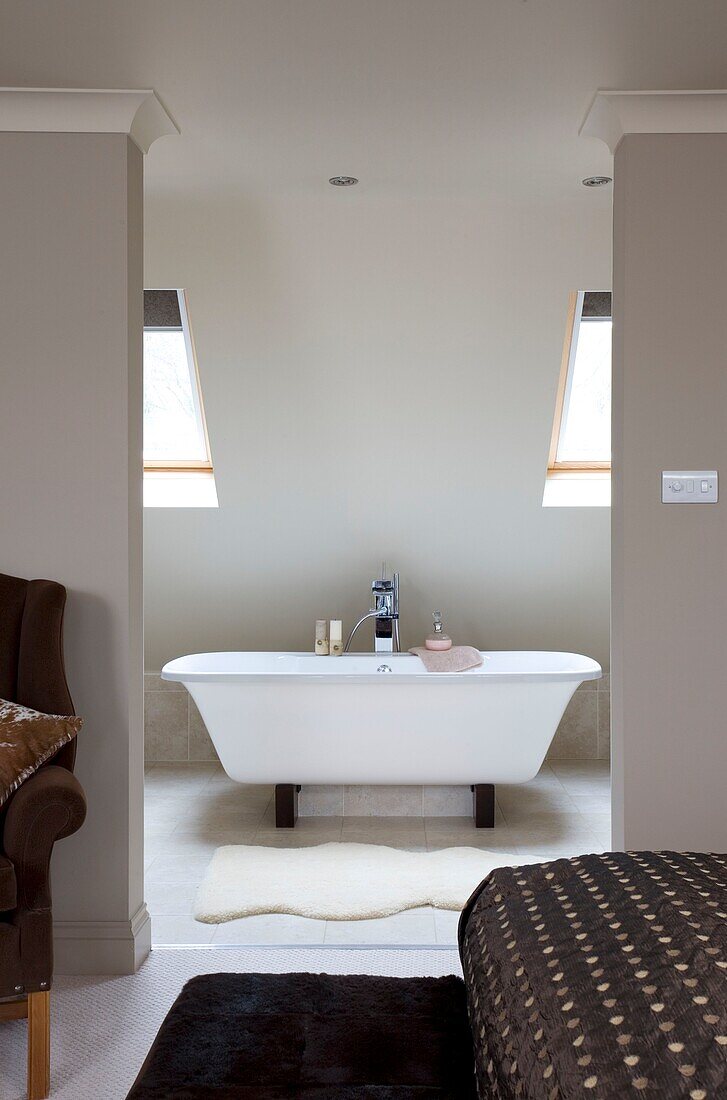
578, 668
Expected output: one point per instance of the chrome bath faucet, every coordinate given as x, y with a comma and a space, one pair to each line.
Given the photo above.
385, 612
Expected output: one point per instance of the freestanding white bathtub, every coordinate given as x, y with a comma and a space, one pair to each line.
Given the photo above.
292, 718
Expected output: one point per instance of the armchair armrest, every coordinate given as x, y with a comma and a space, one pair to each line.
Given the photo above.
47, 807
8, 893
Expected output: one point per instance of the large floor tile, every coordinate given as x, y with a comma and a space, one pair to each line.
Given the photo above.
540, 851
291, 838
158, 831
579, 767
392, 801
220, 781
194, 809
546, 777
394, 832
178, 776
168, 930
317, 826
593, 803
184, 868
566, 820
503, 853
467, 819
410, 926
407, 839
600, 826
403, 842
450, 824
280, 928
326, 828
461, 824
462, 833
220, 785
561, 846
215, 833
527, 856
164, 813
520, 803
374, 826
446, 800
172, 845
446, 922
164, 900
583, 777
579, 785
208, 816
235, 798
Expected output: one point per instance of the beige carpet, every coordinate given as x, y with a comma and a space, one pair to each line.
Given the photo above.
338, 881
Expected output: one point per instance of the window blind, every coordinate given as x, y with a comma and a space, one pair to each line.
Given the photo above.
161, 309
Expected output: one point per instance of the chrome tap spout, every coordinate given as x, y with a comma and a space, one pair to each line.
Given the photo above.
386, 613
369, 615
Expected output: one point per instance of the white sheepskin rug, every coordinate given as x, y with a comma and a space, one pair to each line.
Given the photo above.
338, 881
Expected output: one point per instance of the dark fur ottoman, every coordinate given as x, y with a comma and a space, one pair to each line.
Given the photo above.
318, 1036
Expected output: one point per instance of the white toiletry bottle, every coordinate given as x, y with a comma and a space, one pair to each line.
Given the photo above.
335, 635
321, 647
438, 640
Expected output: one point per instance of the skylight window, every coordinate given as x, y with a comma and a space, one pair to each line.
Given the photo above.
178, 468
580, 450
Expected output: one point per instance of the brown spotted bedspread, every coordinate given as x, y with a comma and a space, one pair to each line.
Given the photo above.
600, 978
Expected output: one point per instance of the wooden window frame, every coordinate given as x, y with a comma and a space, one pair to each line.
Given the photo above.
186, 465
575, 305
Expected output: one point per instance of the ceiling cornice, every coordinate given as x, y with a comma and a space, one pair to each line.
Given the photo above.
139, 113
614, 114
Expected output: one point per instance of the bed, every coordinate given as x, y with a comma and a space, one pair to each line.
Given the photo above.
602, 976
596, 978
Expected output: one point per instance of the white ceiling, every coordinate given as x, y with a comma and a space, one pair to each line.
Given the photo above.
441, 98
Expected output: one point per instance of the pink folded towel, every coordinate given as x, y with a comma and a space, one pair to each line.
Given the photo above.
457, 659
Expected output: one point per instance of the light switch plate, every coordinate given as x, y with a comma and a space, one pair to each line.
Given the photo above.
689, 487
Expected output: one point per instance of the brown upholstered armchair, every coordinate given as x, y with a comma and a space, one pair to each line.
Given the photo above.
49, 805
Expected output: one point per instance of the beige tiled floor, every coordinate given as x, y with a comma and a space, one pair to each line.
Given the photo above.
191, 809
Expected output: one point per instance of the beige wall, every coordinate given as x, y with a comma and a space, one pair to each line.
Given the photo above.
379, 376
670, 412
70, 494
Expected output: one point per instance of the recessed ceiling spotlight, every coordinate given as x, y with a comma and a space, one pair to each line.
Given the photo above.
343, 181
596, 181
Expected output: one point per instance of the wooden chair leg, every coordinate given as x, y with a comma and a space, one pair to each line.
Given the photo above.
38, 1045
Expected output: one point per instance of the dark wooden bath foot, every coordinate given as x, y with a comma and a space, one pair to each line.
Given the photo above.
483, 805
286, 805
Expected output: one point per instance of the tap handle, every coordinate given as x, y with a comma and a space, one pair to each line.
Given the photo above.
384, 585
381, 586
